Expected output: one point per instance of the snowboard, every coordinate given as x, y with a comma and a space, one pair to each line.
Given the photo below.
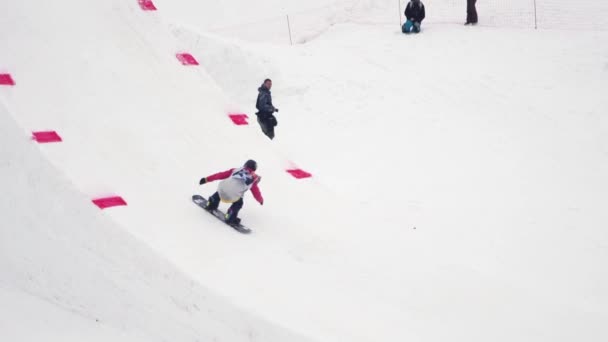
202, 202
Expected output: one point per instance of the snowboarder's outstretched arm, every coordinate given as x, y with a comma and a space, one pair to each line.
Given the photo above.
257, 194
216, 176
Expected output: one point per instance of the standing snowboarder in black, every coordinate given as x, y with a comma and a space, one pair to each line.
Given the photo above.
471, 13
266, 109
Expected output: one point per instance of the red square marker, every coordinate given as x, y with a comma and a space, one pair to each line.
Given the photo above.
147, 5
6, 79
239, 119
46, 137
186, 59
299, 173
108, 202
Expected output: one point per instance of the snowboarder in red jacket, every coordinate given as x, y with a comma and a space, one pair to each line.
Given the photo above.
235, 182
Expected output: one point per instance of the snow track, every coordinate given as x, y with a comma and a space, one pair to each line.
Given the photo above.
458, 192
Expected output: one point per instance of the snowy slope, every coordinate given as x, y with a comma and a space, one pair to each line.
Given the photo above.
69, 273
459, 176
292, 21
503, 172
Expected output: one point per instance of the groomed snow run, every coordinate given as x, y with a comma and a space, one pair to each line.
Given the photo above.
459, 187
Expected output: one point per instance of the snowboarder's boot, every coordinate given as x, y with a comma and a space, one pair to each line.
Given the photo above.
233, 212
213, 203
232, 219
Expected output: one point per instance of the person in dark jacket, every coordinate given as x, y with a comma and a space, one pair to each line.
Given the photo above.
266, 109
414, 13
471, 13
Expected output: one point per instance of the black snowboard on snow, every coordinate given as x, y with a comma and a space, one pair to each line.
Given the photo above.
202, 202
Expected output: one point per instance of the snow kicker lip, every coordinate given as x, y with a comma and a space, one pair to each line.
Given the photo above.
147, 5
299, 173
7, 80
44, 137
186, 58
239, 119
108, 202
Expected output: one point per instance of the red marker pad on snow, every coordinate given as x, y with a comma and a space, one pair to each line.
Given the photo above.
186, 59
108, 202
6, 79
239, 119
147, 5
46, 137
299, 173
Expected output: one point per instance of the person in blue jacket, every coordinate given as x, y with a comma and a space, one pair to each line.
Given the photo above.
414, 13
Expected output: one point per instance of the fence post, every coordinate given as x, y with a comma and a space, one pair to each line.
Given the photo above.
289, 29
535, 20
399, 2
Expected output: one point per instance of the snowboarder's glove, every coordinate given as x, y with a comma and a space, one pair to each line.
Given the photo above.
202, 181
276, 110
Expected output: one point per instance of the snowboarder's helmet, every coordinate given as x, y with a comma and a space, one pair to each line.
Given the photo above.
251, 164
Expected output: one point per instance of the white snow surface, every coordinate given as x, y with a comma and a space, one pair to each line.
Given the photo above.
296, 21
460, 187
